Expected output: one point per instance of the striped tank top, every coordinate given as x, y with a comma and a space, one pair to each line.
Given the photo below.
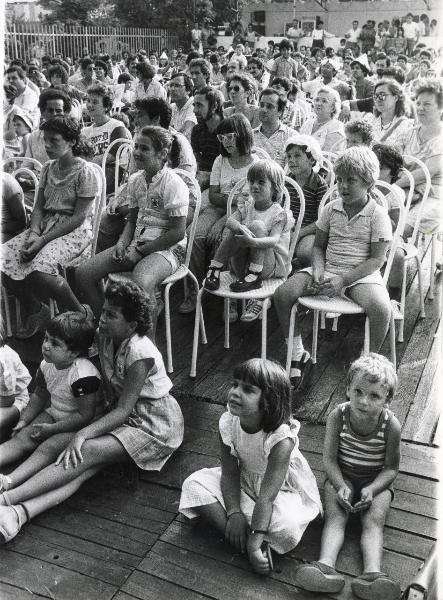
362, 455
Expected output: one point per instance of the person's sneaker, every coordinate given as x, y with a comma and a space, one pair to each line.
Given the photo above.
252, 311
299, 369
318, 577
188, 305
34, 323
233, 314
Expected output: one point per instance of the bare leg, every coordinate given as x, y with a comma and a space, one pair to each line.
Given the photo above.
373, 521
333, 533
374, 299
286, 296
22, 444
56, 287
303, 250
214, 514
21, 289
9, 416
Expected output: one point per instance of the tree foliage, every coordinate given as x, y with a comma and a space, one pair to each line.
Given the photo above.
69, 11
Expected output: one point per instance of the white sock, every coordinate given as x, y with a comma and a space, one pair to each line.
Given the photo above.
216, 264
255, 272
297, 347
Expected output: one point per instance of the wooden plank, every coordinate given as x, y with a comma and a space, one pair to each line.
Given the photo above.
147, 587
180, 466
10, 592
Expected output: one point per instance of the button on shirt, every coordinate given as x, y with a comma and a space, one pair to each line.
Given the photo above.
181, 115
274, 145
349, 240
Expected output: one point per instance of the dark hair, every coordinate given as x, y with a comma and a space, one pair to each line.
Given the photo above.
247, 82
189, 84
192, 56
431, 87
54, 94
275, 400
402, 57
98, 89
426, 54
145, 70
205, 67
58, 70
285, 44
214, 99
255, 60
281, 100
364, 68
160, 137
390, 157
16, 69
69, 129
283, 81
361, 128
85, 62
134, 303
75, 329
155, 107
244, 138
395, 73
396, 90
123, 118
102, 65
124, 78
214, 59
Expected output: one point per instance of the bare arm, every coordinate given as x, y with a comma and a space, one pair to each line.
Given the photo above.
318, 254
216, 197
330, 459
16, 209
174, 234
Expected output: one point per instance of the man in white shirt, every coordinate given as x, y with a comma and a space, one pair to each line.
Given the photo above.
412, 33
25, 97
295, 31
180, 92
352, 37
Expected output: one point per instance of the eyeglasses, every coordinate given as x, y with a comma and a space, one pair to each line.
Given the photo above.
234, 88
90, 69
226, 137
176, 85
381, 96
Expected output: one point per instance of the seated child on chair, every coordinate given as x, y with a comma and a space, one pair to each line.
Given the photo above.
353, 234
257, 233
264, 495
361, 457
65, 397
14, 381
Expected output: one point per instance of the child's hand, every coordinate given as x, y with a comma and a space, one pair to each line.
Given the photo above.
72, 453
119, 252
343, 498
245, 239
236, 532
316, 283
41, 431
19, 426
132, 257
259, 561
365, 501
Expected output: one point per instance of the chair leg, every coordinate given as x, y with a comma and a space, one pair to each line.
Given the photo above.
366, 343
5, 300
264, 327
420, 288
322, 320
198, 310
202, 321
392, 340
290, 339
335, 324
403, 297
226, 309
168, 330
314, 337
433, 261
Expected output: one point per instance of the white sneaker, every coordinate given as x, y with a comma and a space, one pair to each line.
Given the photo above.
253, 310
233, 314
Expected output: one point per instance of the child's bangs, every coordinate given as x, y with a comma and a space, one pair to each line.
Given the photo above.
258, 170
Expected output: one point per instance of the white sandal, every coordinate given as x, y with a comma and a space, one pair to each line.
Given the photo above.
5, 535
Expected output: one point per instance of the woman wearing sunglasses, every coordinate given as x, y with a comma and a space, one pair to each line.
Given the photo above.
389, 121
242, 91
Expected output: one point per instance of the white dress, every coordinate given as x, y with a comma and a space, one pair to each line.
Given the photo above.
298, 501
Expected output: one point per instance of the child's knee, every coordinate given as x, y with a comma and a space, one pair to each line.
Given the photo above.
258, 228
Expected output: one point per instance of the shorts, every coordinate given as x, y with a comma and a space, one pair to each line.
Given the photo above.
374, 278
358, 483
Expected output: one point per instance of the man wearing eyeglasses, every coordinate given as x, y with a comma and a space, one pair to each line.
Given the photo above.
180, 92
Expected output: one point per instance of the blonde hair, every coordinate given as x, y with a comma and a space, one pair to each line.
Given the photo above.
269, 169
360, 160
376, 369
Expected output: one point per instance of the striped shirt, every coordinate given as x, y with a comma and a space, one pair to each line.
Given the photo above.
313, 190
362, 455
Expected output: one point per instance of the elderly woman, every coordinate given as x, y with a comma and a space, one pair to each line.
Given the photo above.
425, 142
147, 85
242, 92
389, 122
325, 126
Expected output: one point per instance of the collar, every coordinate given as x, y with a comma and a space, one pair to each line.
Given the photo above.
367, 209
159, 175
282, 127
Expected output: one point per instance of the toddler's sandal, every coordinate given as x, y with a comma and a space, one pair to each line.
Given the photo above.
317, 577
375, 586
5, 534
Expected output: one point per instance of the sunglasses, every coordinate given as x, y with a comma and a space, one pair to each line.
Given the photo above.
381, 96
226, 137
234, 88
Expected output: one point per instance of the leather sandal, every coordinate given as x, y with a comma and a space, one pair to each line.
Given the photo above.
212, 281
5, 535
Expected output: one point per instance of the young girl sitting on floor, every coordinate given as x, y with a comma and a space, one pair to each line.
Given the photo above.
143, 422
68, 382
361, 458
257, 234
14, 381
264, 495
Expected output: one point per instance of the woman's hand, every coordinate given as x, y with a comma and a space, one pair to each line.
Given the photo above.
32, 247
18, 427
236, 532
72, 453
343, 498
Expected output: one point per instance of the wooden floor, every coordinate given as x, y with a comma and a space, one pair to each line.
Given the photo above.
121, 537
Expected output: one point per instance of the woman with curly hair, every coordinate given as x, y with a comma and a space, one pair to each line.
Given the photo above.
242, 91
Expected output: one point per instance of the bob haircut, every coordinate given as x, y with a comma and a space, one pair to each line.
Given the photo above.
134, 302
334, 98
275, 399
155, 107
244, 138
98, 89
145, 70
269, 169
388, 156
281, 103
160, 138
59, 71
70, 130
431, 87
396, 90
75, 329
361, 161
375, 368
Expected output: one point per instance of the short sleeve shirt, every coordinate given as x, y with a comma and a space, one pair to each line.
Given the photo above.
349, 240
274, 145
14, 376
10, 187
225, 176
181, 115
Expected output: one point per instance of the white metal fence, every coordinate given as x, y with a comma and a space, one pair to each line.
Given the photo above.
23, 40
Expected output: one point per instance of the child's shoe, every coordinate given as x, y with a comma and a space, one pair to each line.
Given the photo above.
212, 281
246, 284
252, 311
318, 577
299, 369
375, 586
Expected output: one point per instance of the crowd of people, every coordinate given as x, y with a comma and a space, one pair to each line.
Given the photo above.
225, 116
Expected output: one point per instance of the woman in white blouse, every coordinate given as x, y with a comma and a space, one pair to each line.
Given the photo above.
324, 126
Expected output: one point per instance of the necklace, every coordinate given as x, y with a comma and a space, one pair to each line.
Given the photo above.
383, 127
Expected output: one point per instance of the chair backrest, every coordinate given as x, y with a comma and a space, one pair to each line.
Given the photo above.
328, 165
25, 162
118, 155
99, 204
412, 159
261, 153
190, 180
32, 175
331, 156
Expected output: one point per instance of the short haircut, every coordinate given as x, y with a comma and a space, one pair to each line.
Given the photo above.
145, 70
389, 156
396, 73
431, 87
54, 94
98, 89
361, 128
161, 138
75, 329
361, 161
155, 107
402, 57
101, 65
189, 84
70, 130
334, 97
426, 62
281, 103
247, 82
59, 71
214, 98
376, 369
283, 81
204, 66
85, 62
275, 400
396, 90
16, 69
269, 169
124, 78
258, 62
239, 125
285, 45
135, 304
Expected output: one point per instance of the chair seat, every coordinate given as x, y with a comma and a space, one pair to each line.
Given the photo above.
123, 276
181, 272
337, 304
411, 250
226, 278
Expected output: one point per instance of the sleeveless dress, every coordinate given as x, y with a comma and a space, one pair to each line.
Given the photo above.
296, 504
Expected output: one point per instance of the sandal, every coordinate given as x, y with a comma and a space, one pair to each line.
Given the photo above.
375, 586
318, 577
5, 483
212, 281
5, 535
242, 285
268, 553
